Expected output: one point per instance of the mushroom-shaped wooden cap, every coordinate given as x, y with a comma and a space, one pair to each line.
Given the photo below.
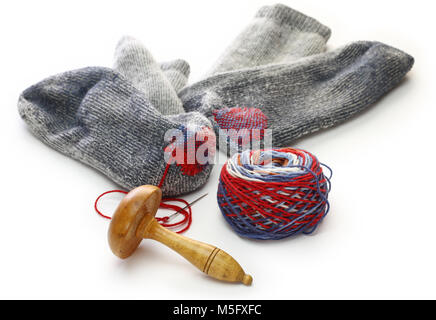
132, 218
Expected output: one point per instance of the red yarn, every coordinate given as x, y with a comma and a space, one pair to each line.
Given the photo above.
262, 205
100, 196
234, 186
184, 153
240, 118
244, 124
185, 211
164, 175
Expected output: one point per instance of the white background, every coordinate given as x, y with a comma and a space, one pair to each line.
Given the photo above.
377, 242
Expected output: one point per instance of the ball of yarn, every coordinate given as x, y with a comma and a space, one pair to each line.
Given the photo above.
273, 194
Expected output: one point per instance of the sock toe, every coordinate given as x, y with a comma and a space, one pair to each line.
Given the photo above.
95, 115
179, 65
177, 73
50, 107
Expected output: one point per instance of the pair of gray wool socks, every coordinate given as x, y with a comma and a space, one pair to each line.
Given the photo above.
278, 65
116, 120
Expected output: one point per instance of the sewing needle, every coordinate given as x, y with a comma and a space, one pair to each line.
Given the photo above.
188, 205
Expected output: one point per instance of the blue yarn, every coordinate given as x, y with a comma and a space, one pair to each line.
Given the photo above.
236, 216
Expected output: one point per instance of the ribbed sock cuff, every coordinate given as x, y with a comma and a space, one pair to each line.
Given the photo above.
285, 15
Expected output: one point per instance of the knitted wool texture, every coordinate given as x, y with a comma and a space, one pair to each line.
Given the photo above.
276, 34
137, 64
277, 65
100, 118
177, 73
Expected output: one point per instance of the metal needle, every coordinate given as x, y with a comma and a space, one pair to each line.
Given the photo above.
188, 205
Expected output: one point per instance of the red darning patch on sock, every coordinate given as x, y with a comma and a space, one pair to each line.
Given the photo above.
240, 118
185, 155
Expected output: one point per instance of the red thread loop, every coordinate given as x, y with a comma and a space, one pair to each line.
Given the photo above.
102, 195
186, 211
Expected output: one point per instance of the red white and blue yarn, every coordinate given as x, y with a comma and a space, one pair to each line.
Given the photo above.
273, 194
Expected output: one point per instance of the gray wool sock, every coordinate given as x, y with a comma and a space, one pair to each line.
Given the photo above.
277, 34
177, 72
301, 97
136, 63
98, 117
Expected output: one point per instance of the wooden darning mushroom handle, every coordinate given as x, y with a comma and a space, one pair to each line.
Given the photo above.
209, 259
